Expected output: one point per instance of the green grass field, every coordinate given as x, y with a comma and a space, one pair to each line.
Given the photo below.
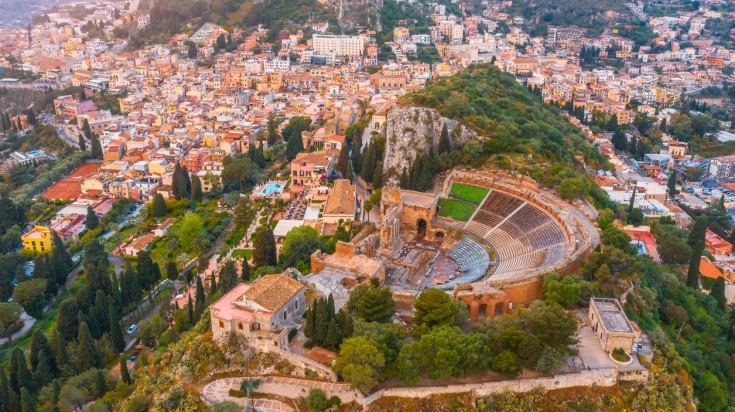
240, 253
456, 209
472, 194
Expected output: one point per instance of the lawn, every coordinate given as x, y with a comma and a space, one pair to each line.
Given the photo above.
456, 209
472, 194
240, 253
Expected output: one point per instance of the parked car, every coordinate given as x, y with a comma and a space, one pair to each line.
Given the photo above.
132, 329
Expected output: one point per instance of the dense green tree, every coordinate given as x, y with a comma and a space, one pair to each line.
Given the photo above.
60, 349
100, 386
10, 313
241, 172
245, 273
298, 246
671, 184
360, 363
192, 50
82, 144
372, 303
86, 130
331, 338
506, 363
343, 161
272, 130
159, 206
8, 399
20, 376
172, 272
31, 294
67, 319
698, 230
265, 248
570, 189
434, 307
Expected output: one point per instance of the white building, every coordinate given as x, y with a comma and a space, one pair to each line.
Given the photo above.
326, 45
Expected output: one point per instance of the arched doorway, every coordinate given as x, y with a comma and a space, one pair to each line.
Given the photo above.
482, 311
421, 228
498, 309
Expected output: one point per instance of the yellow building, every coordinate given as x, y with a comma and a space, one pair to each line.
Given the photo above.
38, 240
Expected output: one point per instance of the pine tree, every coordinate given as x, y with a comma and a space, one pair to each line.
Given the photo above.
265, 248
693, 272
92, 221
124, 374
96, 147
445, 146
245, 275
116, 334
196, 189
66, 319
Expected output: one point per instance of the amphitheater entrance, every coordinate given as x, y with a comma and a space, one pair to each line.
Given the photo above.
439, 237
482, 311
421, 228
498, 309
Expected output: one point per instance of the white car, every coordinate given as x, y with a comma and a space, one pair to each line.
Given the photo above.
132, 329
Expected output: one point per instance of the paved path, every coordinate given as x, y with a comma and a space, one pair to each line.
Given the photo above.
217, 391
28, 322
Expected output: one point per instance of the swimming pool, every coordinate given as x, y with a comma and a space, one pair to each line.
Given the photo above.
272, 188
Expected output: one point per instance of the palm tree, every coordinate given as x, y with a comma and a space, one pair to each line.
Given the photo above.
368, 206
248, 386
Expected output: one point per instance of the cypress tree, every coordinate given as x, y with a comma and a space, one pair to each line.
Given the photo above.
196, 189
62, 356
245, 275
82, 144
86, 130
186, 181
343, 162
330, 306
321, 321
377, 180
101, 311
67, 322
200, 297
190, 311
100, 386
693, 272
172, 272
42, 375
445, 146
331, 339
159, 206
27, 402
92, 221
631, 204
124, 374
265, 248
96, 147
116, 334
718, 292
212, 285
7, 396
88, 356
309, 324
39, 343
20, 376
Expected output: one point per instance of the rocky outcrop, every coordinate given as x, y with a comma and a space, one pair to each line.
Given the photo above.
354, 13
415, 130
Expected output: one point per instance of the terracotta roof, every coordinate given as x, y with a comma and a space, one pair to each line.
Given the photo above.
341, 199
273, 291
142, 242
708, 269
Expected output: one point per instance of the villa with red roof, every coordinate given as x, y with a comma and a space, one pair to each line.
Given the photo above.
261, 310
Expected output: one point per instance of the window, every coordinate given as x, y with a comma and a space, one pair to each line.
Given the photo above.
221, 324
296, 304
285, 315
239, 326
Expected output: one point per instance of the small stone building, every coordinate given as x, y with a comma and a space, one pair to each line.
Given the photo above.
611, 325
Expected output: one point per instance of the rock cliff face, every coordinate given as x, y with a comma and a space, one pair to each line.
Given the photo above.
353, 13
415, 130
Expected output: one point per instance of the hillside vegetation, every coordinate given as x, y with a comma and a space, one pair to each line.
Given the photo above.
520, 132
592, 15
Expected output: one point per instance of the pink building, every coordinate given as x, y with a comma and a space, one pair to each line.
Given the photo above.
312, 168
